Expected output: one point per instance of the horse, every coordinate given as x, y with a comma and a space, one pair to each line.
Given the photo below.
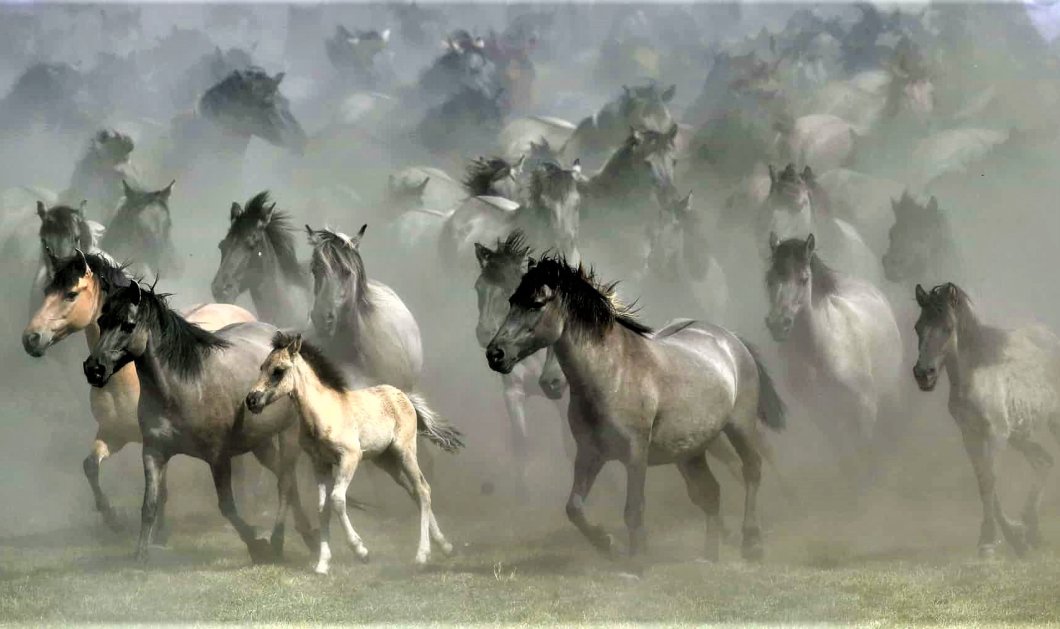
99, 174
1004, 388
354, 55
920, 243
642, 397
141, 231
501, 270
839, 340
680, 274
192, 386
796, 206
258, 256
341, 427
363, 322
73, 300
639, 107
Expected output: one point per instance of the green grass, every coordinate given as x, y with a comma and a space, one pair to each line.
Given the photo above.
523, 567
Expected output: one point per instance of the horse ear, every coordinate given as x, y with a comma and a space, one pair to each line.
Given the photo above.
811, 245
807, 174
921, 296
81, 208
82, 264
356, 240
278, 78
420, 189
668, 95
126, 189
933, 204
772, 174
41, 210
482, 254
531, 262
236, 211
266, 215
294, 347
774, 241
953, 294
577, 166
165, 192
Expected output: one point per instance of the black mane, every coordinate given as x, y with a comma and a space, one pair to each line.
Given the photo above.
481, 172
111, 276
326, 371
592, 307
335, 255
180, 346
278, 232
792, 253
63, 219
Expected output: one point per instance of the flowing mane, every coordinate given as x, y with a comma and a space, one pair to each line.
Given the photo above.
257, 214
181, 346
111, 275
335, 255
325, 370
510, 254
592, 307
481, 172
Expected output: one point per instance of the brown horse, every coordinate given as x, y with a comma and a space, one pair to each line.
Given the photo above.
73, 301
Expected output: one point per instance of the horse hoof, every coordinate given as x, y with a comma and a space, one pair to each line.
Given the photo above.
311, 539
113, 522
261, 551
321, 570
447, 549
604, 543
362, 554
421, 560
987, 551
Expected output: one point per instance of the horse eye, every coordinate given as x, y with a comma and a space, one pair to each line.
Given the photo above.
278, 372
70, 296
127, 327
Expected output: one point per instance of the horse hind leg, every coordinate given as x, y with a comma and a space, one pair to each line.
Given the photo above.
747, 444
391, 464
411, 468
705, 493
325, 484
101, 450
1041, 463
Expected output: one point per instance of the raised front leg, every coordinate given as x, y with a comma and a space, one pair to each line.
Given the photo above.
587, 465
154, 467
325, 483
259, 549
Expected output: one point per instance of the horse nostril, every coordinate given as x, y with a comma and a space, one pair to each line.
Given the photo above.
494, 354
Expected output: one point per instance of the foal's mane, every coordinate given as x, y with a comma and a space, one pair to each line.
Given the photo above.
591, 307
181, 346
480, 174
329, 375
258, 214
111, 276
336, 255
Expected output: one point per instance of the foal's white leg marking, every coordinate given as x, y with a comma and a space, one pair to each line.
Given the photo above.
343, 476
324, 484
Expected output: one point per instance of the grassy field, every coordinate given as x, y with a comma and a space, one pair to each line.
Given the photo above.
525, 566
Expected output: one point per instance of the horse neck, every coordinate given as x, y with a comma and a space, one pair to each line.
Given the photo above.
963, 358
155, 380
92, 332
313, 400
592, 363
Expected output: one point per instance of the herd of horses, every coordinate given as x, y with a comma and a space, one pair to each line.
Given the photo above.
330, 361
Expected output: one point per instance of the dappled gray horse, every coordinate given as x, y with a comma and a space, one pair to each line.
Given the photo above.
1004, 388
258, 256
642, 397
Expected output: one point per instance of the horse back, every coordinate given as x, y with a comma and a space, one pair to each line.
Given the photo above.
862, 336
1017, 379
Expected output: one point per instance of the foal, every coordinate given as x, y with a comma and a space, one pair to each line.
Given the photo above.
341, 427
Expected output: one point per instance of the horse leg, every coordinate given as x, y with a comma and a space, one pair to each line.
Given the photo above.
342, 477
705, 493
514, 397
154, 467
587, 465
391, 464
980, 450
259, 549
428, 526
161, 531
100, 451
569, 447
325, 483
284, 463
636, 475
746, 441
1041, 463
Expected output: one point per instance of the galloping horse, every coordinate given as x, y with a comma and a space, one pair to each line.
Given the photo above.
1004, 387
341, 427
192, 386
642, 397
73, 301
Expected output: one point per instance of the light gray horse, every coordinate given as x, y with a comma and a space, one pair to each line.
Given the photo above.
642, 397
192, 387
1004, 387
839, 340
361, 322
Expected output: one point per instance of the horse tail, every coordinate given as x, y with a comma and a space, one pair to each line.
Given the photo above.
433, 427
771, 409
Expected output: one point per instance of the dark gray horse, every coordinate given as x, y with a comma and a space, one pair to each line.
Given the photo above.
141, 233
639, 107
192, 387
258, 256
98, 175
921, 245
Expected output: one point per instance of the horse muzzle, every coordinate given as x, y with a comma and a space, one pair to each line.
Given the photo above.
95, 372
499, 360
780, 327
926, 377
36, 343
224, 292
256, 401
